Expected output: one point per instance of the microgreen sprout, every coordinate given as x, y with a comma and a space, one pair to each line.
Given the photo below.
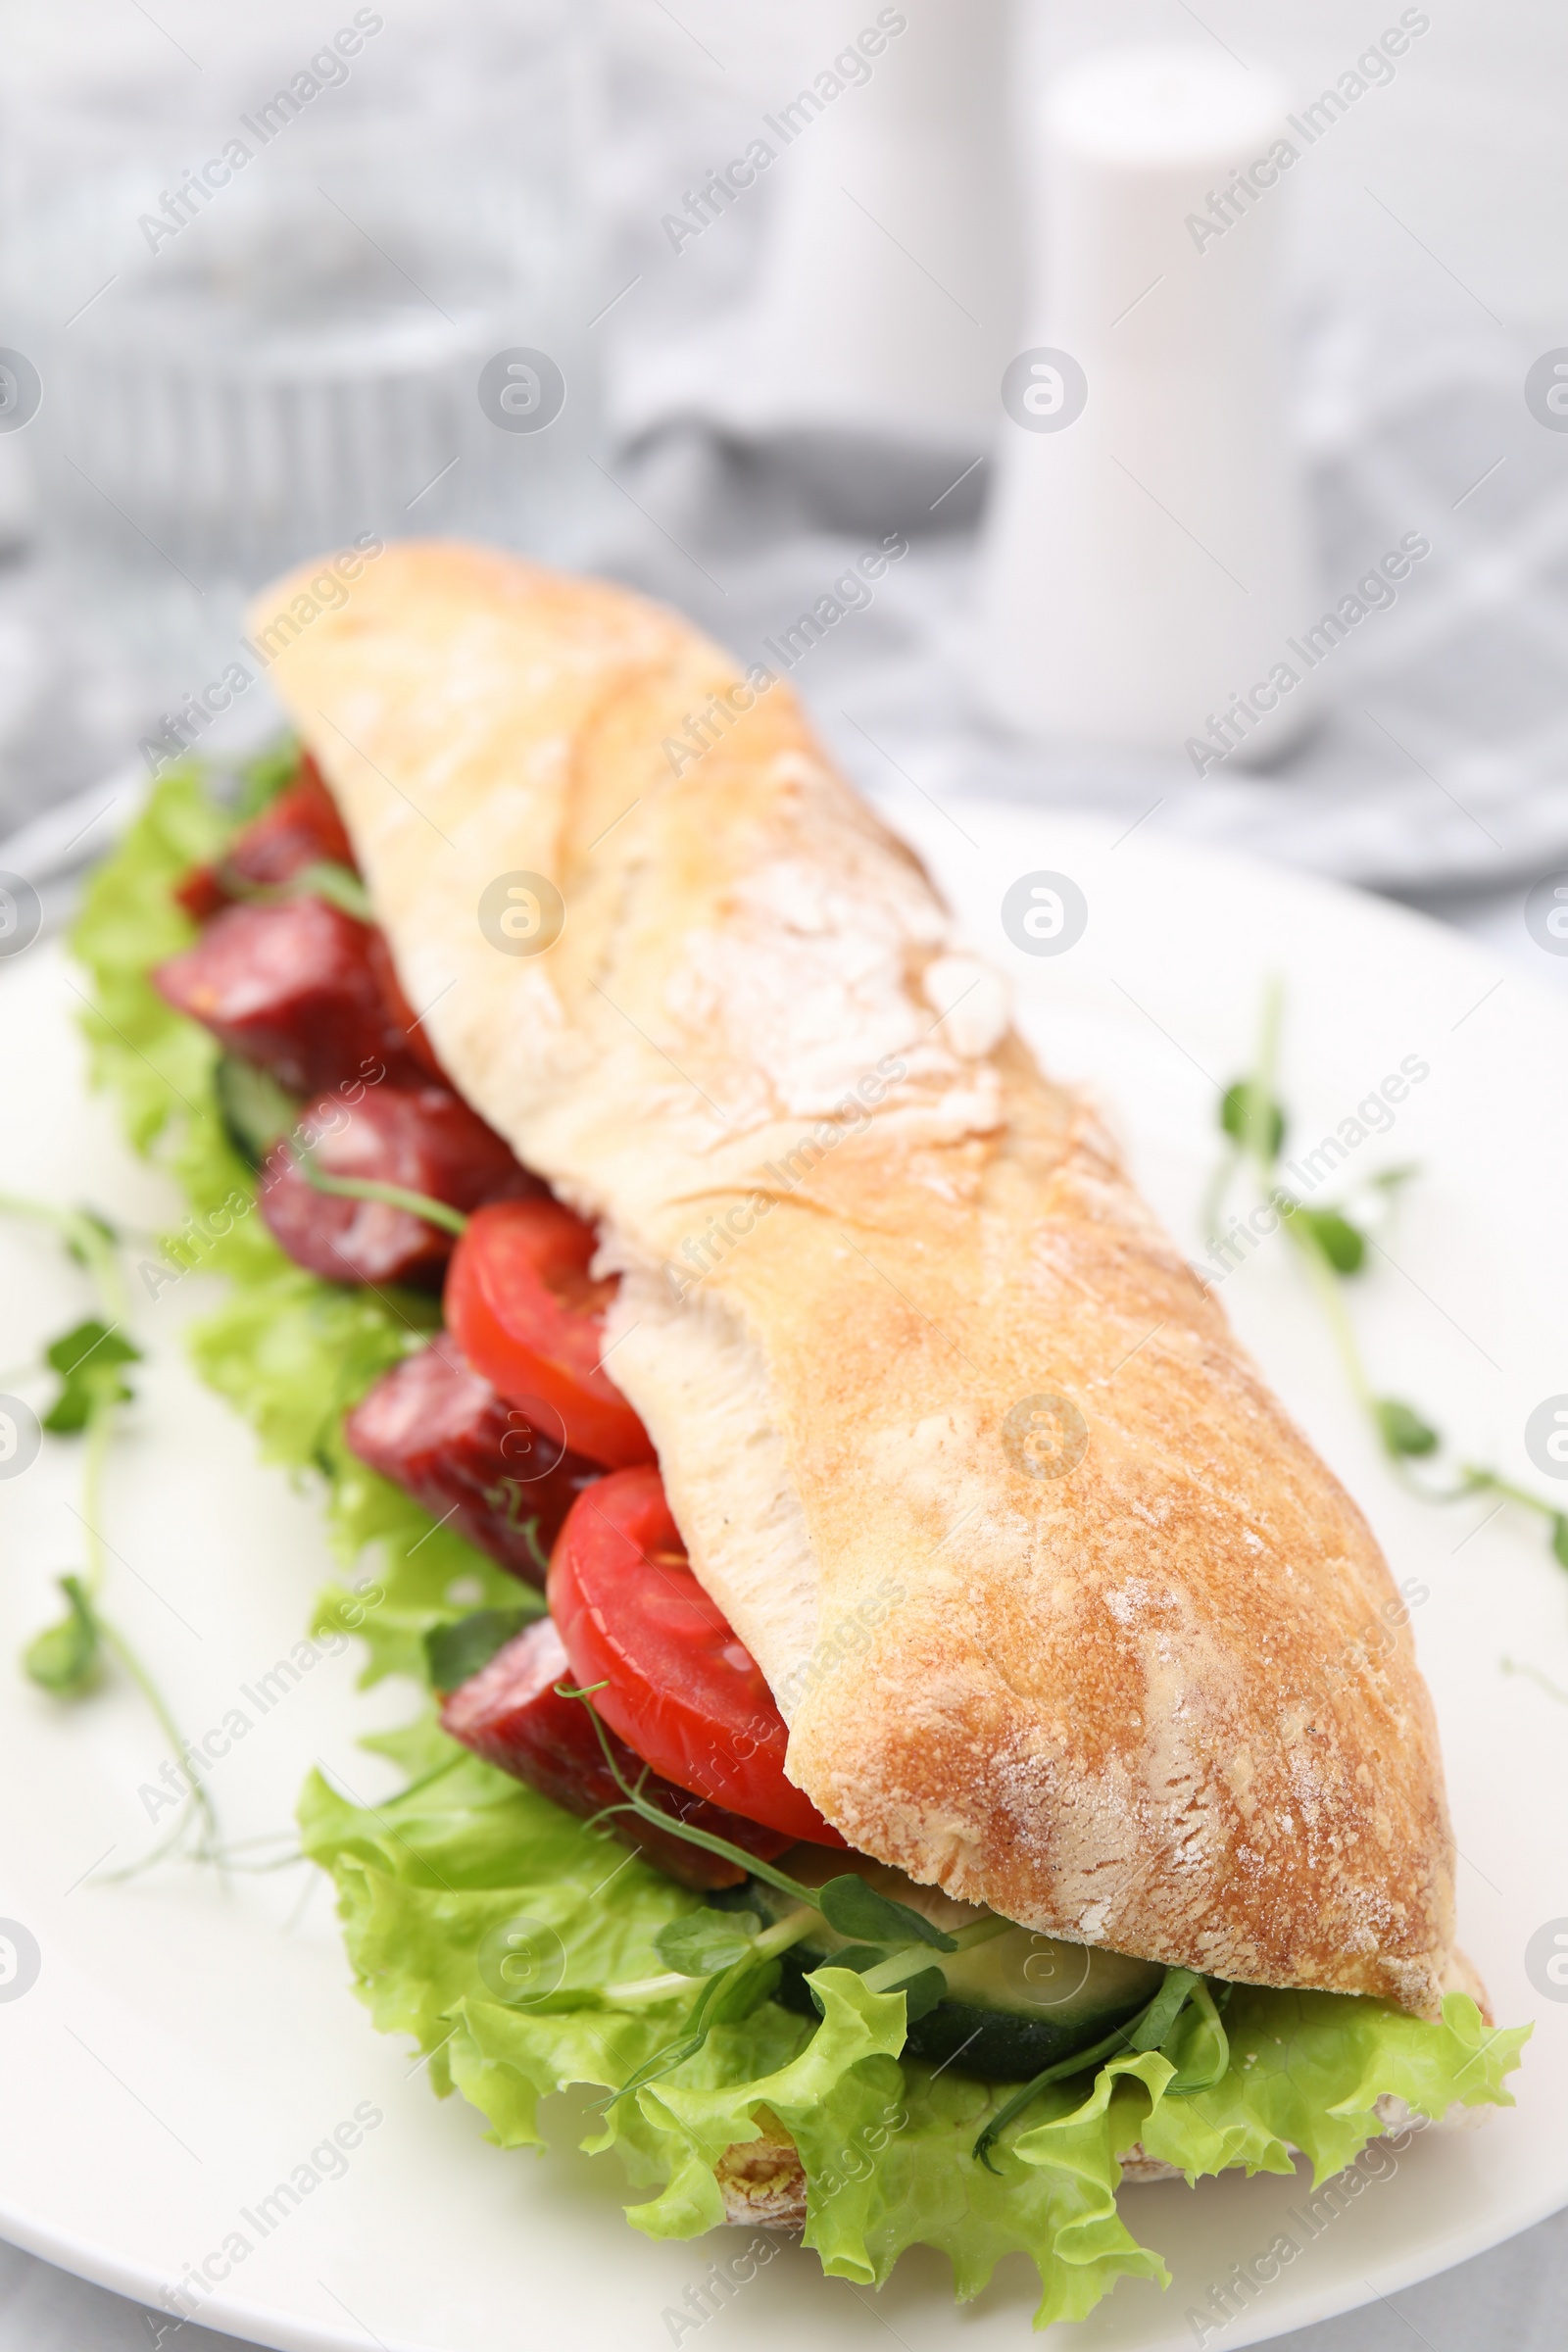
91, 1361
260, 1115
1332, 1250
323, 878
506, 1499
369, 1188
741, 1968
847, 1904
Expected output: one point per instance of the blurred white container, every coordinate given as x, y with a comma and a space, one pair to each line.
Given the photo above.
888, 295
1147, 554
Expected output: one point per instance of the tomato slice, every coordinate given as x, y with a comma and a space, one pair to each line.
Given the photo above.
525, 1311
680, 1689
509, 1713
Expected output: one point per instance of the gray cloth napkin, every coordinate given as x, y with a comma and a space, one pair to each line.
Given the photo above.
1440, 760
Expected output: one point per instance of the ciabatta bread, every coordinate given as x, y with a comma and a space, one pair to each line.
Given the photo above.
1063, 1612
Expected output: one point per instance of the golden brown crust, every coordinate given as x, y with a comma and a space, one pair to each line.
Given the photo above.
763, 2180
1162, 1700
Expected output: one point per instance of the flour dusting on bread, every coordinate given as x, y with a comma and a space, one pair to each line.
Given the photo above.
1122, 1691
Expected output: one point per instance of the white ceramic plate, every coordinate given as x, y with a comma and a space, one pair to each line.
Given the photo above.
186, 2045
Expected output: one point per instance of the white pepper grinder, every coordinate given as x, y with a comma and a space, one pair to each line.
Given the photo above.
1146, 555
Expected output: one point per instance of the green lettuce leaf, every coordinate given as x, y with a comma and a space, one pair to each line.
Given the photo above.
291, 1353
1309, 2068
429, 1883
491, 1928
156, 1063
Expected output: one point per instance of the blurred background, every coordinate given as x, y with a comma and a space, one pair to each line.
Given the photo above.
1034, 381
716, 296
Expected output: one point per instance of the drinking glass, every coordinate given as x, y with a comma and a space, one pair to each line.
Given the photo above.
351, 294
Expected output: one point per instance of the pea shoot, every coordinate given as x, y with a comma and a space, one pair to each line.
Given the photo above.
92, 1364
891, 1945
1333, 1247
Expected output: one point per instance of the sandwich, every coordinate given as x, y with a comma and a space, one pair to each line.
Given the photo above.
914, 1728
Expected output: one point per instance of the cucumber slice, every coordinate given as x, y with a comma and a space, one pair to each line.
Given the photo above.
463, 1645
1015, 2003
255, 1110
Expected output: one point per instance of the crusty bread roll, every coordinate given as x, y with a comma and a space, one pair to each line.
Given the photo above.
1063, 1613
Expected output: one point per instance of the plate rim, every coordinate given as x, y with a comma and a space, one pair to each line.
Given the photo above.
277, 2328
